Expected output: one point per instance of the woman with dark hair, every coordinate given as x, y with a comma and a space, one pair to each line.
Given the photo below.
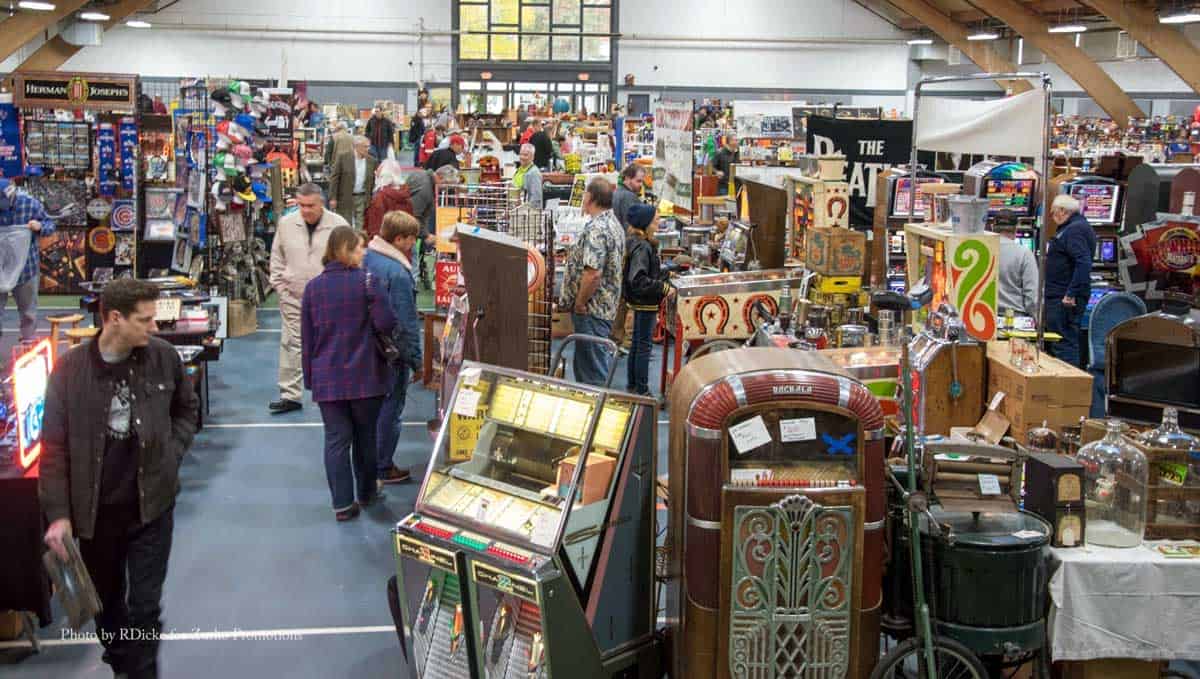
341, 311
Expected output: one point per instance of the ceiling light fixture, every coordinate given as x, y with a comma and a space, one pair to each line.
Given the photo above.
1186, 15
1068, 28
983, 35
94, 16
38, 6
137, 23
921, 41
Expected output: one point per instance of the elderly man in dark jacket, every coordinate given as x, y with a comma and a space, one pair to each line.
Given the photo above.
120, 415
1068, 276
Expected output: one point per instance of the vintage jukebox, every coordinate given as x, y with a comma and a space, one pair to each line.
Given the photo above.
776, 475
531, 552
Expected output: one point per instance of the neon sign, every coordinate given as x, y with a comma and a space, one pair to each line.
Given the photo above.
31, 373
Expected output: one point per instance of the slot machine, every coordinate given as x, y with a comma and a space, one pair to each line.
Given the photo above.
531, 550
776, 474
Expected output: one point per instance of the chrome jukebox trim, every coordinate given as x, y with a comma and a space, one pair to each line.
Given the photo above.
844, 388
702, 523
739, 389
703, 432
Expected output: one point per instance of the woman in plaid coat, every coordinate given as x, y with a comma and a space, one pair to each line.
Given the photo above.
341, 311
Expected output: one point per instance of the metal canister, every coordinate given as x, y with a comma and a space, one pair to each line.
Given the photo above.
696, 235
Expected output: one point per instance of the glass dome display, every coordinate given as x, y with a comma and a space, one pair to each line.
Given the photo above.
1115, 490
1169, 436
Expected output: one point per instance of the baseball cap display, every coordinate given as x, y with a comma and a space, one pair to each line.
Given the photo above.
457, 139
245, 121
262, 191
239, 93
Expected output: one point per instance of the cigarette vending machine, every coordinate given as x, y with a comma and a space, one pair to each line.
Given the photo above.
531, 551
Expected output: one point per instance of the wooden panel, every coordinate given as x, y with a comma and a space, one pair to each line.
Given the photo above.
496, 276
769, 212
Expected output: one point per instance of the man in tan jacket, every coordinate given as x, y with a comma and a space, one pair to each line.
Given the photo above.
351, 183
341, 141
295, 260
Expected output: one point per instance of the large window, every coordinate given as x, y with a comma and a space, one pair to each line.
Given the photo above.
535, 30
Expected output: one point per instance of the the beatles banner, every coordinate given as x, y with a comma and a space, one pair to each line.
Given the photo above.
870, 147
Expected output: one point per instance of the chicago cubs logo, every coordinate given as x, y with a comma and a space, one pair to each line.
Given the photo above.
123, 216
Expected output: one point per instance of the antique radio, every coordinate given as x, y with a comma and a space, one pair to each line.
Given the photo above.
1054, 491
776, 458
531, 551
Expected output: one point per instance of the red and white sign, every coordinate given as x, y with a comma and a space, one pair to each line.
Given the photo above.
445, 279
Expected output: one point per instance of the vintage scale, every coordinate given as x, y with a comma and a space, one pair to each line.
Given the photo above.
945, 360
531, 551
777, 467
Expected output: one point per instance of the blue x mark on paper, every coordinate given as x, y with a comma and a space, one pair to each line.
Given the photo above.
839, 446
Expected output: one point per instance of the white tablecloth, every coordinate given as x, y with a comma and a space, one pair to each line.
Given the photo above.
1123, 603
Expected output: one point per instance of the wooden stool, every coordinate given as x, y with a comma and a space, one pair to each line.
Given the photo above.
77, 335
55, 321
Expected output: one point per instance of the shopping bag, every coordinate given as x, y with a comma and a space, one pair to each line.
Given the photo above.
14, 250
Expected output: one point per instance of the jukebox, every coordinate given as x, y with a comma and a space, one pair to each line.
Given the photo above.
531, 550
777, 475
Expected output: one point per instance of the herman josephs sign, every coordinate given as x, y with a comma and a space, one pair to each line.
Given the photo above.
54, 90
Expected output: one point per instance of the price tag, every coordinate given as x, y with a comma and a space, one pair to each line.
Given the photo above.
1028, 534
989, 484
802, 429
467, 403
749, 435
470, 376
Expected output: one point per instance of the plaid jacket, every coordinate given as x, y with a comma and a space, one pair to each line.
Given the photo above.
25, 208
338, 316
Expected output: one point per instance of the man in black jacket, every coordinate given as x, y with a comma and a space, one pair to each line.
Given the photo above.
543, 148
120, 415
380, 131
447, 156
1068, 276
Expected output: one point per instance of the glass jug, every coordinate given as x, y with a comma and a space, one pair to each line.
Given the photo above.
1169, 436
1116, 476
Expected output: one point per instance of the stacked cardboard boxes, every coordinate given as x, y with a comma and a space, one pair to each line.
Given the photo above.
1057, 393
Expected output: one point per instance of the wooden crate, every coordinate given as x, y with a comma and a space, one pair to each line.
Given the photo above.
835, 251
1157, 527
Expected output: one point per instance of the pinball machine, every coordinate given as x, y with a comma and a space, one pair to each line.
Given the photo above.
777, 473
531, 550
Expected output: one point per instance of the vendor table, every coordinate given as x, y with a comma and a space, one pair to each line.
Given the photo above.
1123, 603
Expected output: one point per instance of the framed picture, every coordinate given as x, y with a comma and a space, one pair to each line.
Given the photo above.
181, 258
219, 306
195, 189
160, 203
195, 226
102, 275
160, 230
233, 226
123, 255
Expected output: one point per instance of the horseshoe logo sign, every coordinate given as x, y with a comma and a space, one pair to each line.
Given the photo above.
748, 308
720, 313
836, 200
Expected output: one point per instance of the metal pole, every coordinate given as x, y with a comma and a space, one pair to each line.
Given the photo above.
1041, 241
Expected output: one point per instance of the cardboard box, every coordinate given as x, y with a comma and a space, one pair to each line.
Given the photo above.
1057, 393
1109, 668
243, 318
596, 478
836, 251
